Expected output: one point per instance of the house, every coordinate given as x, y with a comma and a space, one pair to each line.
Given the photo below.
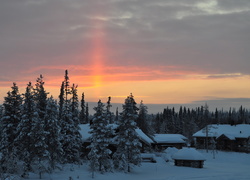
189, 157
86, 138
163, 141
225, 137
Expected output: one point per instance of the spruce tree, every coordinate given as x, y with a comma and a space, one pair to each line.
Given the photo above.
61, 100
116, 116
128, 145
52, 127
108, 112
100, 139
142, 120
11, 117
70, 135
74, 105
82, 116
87, 113
40, 97
26, 129
40, 139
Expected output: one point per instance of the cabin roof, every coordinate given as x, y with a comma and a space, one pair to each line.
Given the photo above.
232, 132
188, 154
85, 132
169, 138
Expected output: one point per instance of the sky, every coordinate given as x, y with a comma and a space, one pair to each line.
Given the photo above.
162, 51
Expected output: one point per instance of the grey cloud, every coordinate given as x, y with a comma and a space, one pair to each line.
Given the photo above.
136, 32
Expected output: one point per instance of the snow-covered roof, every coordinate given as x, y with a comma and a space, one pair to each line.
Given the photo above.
143, 136
188, 154
232, 132
169, 138
229, 136
85, 132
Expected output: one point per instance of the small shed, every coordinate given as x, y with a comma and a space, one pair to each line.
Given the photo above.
189, 157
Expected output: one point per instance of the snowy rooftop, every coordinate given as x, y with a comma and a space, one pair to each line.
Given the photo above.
188, 154
232, 132
143, 136
169, 138
85, 129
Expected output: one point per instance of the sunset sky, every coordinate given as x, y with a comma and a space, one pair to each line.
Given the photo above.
163, 51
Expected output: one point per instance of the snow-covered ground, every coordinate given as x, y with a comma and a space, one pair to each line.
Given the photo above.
225, 166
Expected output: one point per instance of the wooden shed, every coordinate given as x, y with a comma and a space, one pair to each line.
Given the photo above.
189, 157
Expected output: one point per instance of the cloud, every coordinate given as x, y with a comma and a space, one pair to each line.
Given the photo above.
137, 40
222, 76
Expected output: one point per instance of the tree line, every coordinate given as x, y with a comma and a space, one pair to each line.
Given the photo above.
187, 121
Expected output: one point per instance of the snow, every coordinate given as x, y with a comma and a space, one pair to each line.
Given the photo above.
229, 136
169, 138
188, 154
85, 129
225, 166
143, 136
232, 132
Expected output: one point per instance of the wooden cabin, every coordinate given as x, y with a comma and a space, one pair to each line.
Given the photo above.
224, 137
189, 157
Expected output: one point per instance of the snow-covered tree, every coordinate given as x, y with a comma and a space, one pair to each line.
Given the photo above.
70, 135
61, 100
100, 139
52, 127
10, 119
116, 116
82, 116
74, 104
109, 114
40, 135
40, 97
87, 113
142, 120
128, 145
26, 129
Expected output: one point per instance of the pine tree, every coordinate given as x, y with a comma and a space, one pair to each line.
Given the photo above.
40, 97
158, 123
61, 100
116, 116
142, 120
108, 112
11, 117
52, 127
26, 129
70, 135
40, 141
74, 105
100, 139
87, 113
82, 116
128, 150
